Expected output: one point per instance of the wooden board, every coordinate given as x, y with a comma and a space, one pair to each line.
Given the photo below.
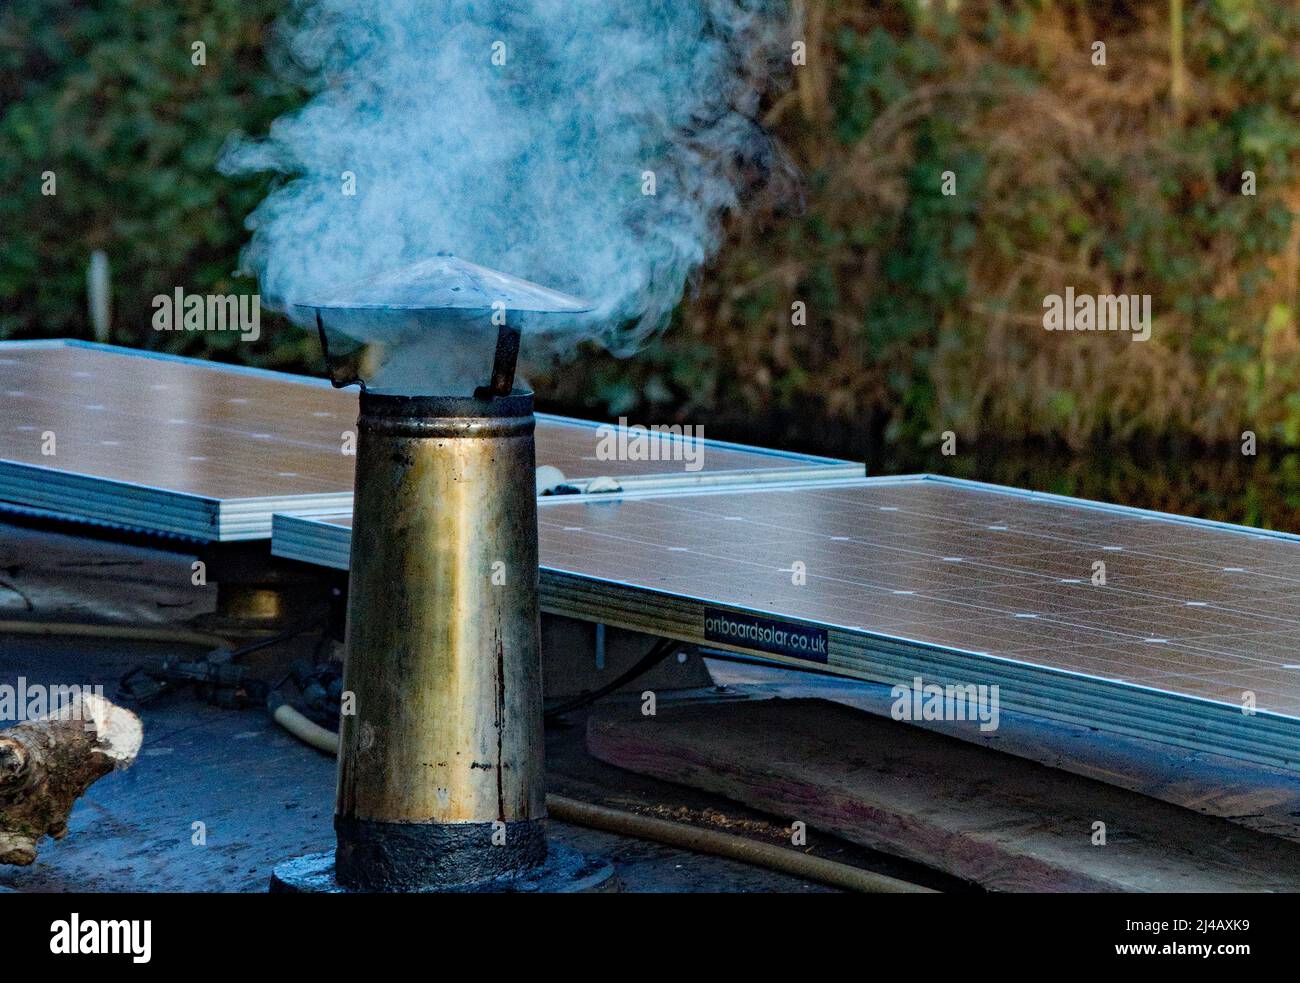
999, 821
1244, 792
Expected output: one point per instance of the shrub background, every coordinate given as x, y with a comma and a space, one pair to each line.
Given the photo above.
924, 311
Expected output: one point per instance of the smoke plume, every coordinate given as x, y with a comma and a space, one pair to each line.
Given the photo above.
592, 146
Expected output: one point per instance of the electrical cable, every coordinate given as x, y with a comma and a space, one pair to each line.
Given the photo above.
658, 652
216, 675
297, 629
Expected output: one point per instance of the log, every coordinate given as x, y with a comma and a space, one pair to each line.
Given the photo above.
46, 765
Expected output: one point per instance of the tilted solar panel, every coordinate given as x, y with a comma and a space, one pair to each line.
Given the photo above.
210, 451
1147, 624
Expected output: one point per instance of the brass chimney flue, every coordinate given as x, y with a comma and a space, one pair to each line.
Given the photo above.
440, 773
444, 750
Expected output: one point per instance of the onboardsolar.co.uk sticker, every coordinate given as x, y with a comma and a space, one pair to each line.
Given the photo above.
765, 634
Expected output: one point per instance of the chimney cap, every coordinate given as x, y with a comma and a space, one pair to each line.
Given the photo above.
446, 282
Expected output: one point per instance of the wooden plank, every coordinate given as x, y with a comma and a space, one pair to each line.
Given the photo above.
1254, 795
994, 819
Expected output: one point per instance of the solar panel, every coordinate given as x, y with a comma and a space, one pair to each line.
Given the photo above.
209, 451
1188, 633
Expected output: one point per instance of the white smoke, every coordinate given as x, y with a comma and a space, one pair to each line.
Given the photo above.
537, 166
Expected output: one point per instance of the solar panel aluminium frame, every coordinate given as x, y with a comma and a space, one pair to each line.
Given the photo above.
1136, 710
796, 466
53, 492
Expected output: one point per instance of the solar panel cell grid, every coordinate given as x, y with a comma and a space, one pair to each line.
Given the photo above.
1198, 610
207, 450
169, 424
1187, 608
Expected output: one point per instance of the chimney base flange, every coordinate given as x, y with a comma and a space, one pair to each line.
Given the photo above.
565, 871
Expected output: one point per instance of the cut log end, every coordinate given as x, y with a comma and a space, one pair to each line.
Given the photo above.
118, 731
46, 765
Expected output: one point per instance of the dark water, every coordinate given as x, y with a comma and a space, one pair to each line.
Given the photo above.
1213, 483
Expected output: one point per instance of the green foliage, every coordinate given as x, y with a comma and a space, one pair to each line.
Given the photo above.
1067, 174
106, 97
920, 251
